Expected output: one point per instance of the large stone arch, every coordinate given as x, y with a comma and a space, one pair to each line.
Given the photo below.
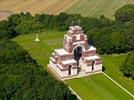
83, 48
77, 53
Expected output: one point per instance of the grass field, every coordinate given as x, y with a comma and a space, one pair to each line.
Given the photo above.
41, 51
93, 8
112, 63
97, 87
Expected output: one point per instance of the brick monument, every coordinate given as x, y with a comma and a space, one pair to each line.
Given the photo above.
76, 57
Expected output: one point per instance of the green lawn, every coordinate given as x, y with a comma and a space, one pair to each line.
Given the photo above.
41, 51
111, 64
95, 8
97, 87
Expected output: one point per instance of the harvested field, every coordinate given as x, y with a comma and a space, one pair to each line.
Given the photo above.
92, 8
35, 6
96, 8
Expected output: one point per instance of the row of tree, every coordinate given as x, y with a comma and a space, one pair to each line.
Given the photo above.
21, 78
107, 35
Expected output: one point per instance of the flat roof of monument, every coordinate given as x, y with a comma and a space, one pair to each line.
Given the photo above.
92, 57
61, 52
92, 48
69, 61
75, 27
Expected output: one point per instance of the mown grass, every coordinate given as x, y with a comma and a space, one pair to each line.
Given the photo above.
97, 87
41, 51
112, 64
50, 40
96, 8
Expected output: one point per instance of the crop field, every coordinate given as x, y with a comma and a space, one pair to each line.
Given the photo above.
34, 6
50, 40
93, 8
96, 8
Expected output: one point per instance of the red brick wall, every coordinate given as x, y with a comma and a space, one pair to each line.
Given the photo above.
89, 53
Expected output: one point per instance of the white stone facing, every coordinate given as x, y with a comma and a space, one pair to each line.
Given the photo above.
70, 31
52, 64
78, 37
79, 42
82, 65
98, 67
85, 37
89, 69
52, 59
64, 73
91, 48
61, 52
92, 57
69, 61
56, 68
74, 71
69, 39
59, 66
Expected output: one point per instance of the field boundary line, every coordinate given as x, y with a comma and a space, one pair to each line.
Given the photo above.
118, 85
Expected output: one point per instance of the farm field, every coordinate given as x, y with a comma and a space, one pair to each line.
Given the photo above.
97, 87
96, 8
50, 40
33, 6
93, 8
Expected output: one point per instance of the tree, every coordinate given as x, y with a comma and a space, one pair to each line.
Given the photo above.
126, 13
116, 42
109, 36
128, 65
22, 78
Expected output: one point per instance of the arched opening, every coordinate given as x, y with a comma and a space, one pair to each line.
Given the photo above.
69, 70
78, 54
